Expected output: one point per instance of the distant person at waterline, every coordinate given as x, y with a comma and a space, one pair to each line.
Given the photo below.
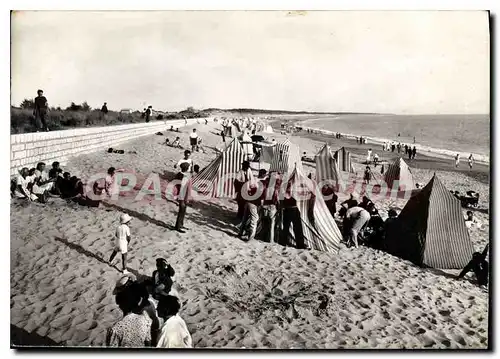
471, 161
104, 108
40, 110
457, 160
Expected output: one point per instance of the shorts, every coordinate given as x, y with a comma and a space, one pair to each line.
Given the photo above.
121, 246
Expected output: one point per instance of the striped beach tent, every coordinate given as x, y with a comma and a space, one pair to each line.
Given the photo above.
326, 166
399, 171
215, 177
320, 230
285, 157
343, 158
431, 231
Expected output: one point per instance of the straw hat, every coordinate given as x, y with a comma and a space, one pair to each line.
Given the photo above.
123, 282
125, 218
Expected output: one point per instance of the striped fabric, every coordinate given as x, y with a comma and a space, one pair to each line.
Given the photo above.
343, 158
228, 162
401, 172
286, 157
320, 230
326, 166
431, 231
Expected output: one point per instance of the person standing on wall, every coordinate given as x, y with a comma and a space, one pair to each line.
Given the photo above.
149, 112
40, 111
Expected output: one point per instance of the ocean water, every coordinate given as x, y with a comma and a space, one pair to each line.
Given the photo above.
460, 133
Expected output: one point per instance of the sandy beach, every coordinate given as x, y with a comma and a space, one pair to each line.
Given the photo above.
237, 294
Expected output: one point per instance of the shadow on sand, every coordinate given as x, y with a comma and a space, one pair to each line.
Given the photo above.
20, 338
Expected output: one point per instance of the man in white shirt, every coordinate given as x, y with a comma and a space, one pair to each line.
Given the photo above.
369, 156
22, 181
471, 222
356, 218
174, 332
42, 181
187, 159
122, 239
193, 140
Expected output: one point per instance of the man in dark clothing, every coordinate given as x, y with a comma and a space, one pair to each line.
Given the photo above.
40, 111
149, 112
479, 265
223, 136
414, 152
393, 147
182, 196
291, 215
330, 198
406, 149
242, 177
269, 209
104, 108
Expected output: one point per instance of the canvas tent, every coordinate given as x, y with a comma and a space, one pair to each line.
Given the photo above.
343, 158
285, 157
327, 168
320, 230
228, 162
399, 171
431, 231
268, 129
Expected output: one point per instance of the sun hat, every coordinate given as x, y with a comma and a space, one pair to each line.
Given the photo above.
122, 283
125, 218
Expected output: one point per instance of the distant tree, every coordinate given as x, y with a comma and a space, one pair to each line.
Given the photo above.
159, 117
190, 109
85, 106
28, 103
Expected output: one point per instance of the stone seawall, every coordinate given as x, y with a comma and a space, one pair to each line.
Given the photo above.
28, 149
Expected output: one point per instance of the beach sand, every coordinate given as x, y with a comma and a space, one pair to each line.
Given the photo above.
234, 294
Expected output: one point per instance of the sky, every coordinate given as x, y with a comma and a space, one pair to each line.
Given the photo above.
412, 62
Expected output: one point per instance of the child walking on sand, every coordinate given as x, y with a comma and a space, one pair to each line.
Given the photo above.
122, 239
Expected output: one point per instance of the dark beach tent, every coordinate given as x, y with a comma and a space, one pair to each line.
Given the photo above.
431, 231
399, 171
343, 158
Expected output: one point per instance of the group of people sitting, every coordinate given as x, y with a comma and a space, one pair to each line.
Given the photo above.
36, 184
470, 199
150, 312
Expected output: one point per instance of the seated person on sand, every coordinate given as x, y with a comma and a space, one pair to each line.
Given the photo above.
56, 170
174, 332
365, 202
20, 186
374, 233
177, 143
167, 142
163, 278
171, 128
479, 265
42, 183
196, 169
471, 222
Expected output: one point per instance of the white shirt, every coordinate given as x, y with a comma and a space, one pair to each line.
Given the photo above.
473, 223
175, 334
122, 232
181, 161
369, 154
23, 182
193, 135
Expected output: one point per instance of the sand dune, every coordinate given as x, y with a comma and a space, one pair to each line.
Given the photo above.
235, 294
